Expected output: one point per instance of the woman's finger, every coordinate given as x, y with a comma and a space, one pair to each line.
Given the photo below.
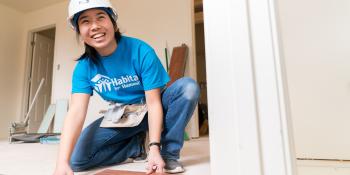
160, 170
149, 171
151, 168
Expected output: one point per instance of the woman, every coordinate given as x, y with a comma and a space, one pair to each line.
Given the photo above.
121, 70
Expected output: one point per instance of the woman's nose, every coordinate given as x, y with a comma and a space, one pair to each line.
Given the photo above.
95, 25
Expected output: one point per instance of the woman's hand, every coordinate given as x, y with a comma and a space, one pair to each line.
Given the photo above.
63, 169
155, 161
155, 125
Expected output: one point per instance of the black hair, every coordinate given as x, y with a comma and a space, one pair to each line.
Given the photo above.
90, 52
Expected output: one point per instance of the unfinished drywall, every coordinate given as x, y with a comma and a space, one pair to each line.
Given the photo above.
154, 21
10, 90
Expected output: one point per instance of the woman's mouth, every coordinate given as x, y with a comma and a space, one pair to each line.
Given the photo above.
98, 35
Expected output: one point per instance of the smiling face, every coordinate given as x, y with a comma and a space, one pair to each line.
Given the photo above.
97, 30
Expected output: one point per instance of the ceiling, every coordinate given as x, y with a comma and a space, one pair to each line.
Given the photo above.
32, 5
28, 5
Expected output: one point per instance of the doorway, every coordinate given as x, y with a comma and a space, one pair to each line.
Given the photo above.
40, 68
201, 68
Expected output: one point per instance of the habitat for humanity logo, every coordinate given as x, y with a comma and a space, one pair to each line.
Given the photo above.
105, 84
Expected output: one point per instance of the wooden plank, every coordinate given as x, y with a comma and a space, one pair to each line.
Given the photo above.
123, 172
177, 63
45, 124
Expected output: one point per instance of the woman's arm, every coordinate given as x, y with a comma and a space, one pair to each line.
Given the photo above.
73, 124
155, 114
155, 125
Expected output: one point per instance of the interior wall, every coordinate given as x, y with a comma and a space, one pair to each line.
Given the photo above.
155, 21
316, 48
10, 69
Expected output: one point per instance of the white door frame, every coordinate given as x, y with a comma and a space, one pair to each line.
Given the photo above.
250, 130
27, 71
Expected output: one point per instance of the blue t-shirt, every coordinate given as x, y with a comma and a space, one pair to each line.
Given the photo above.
123, 76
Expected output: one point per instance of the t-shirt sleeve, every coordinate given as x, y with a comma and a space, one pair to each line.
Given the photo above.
80, 80
153, 73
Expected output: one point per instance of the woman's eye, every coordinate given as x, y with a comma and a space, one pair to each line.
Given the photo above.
101, 17
84, 21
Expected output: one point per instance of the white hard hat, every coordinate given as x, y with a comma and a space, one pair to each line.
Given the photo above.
76, 6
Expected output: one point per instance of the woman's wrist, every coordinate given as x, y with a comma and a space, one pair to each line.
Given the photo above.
154, 146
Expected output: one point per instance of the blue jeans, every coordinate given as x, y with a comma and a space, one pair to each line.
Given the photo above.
98, 146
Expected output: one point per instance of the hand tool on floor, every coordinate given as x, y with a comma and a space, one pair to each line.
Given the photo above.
22, 127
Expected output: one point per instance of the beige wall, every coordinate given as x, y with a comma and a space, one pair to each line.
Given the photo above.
10, 67
155, 21
316, 37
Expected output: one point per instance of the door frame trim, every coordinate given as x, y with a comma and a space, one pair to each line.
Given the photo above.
27, 69
250, 126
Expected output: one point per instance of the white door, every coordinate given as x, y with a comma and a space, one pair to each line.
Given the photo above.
42, 65
316, 41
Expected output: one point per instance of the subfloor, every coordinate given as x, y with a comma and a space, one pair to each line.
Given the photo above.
40, 159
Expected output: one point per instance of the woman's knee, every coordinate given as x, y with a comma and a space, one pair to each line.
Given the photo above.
79, 161
190, 88
77, 166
